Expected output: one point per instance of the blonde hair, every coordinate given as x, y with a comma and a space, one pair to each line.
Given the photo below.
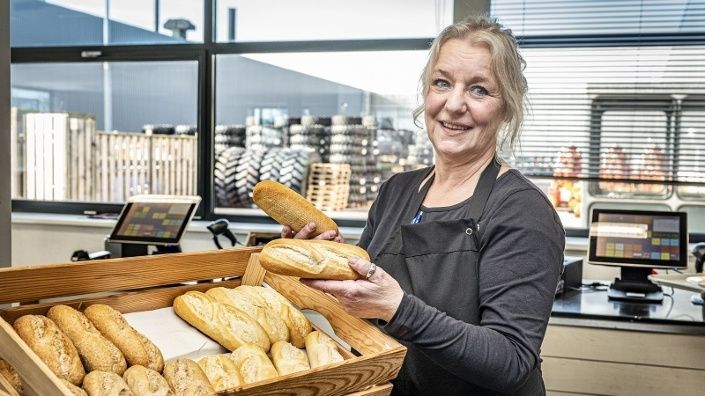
507, 67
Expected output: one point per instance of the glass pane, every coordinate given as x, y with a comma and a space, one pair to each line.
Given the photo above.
349, 113
275, 20
88, 22
104, 131
696, 218
692, 149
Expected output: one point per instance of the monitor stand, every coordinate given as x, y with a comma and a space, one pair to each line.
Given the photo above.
634, 286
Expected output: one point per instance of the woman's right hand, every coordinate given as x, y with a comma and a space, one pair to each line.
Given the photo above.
307, 233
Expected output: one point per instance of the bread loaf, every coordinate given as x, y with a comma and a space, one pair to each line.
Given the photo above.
295, 321
75, 391
96, 352
136, 348
289, 208
103, 383
11, 375
221, 372
52, 346
253, 364
146, 382
256, 307
321, 349
186, 378
288, 359
308, 258
228, 326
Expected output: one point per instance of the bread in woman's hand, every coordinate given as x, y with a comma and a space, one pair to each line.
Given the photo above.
136, 348
288, 358
11, 376
310, 258
253, 364
297, 323
103, 383
146, 382
52, 346
221, 372
186, 378
321, 349
289, 208
256, 307
96, 351
228, 326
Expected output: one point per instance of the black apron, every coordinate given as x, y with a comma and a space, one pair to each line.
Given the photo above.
437, 261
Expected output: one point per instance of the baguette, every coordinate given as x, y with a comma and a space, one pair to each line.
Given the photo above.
11, 375
256, 307
187, 378
146, 382
321, 349
289, 208
221, 372
104, 383
253, 364
75, 391
52, 346
288, 358
297, 323
309, 258
228, 326
136, 348
96, 352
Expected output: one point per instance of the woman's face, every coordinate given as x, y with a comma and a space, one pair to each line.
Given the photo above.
463, 107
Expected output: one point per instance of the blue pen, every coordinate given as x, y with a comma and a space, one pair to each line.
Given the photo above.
417, 218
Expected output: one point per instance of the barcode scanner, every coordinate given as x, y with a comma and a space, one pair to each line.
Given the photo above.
699, 253
220, 227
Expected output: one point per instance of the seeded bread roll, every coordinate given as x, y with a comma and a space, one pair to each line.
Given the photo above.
221, 372
187, 378
321, 349
103, 383
228, 326
11, 375
289, 208
146, 382
253, 364
288, 358
256, 307
297, 323
96, 352
136, 348
52, 346
75, 391
309, 258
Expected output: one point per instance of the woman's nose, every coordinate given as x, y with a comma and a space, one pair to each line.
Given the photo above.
456, 101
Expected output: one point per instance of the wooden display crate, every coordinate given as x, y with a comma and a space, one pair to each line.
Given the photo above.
152, 282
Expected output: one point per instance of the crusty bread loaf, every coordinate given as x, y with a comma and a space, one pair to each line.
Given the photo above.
309, 258
75, 391
295, 321
186, 378
256, 307
52, 346
96, 352
228, 326
321, 349
104, 383
288, 358
253, 364
289, 208
136, 348
146, 382
11, 375
221, 372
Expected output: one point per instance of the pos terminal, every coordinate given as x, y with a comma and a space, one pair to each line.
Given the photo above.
151, 220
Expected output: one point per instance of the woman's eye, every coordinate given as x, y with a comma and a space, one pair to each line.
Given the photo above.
478, 90
440, 83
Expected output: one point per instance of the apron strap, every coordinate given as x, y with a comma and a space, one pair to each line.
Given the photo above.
482, 191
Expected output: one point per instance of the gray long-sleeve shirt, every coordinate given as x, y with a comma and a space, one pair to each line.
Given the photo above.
521, 253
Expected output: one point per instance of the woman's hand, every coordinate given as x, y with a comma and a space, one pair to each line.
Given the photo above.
376, 297
307, 233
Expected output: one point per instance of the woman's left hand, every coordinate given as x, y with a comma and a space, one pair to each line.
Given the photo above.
376, 297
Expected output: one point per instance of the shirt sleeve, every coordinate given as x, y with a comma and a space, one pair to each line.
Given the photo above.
521, 256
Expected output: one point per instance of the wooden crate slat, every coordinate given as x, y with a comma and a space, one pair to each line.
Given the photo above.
377, 390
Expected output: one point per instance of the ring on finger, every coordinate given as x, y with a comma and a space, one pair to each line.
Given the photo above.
371, 271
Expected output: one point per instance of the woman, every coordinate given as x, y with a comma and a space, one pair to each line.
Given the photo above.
467, 253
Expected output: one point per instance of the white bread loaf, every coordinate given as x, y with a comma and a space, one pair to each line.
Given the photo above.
310, 258
136, 348
221, 372
297, 323
146, 382
96, 351
289, 208
253, 364
186, 378
103, 383
256, 307
75, 391
288, 359
321, 349
52, 346
228, 326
